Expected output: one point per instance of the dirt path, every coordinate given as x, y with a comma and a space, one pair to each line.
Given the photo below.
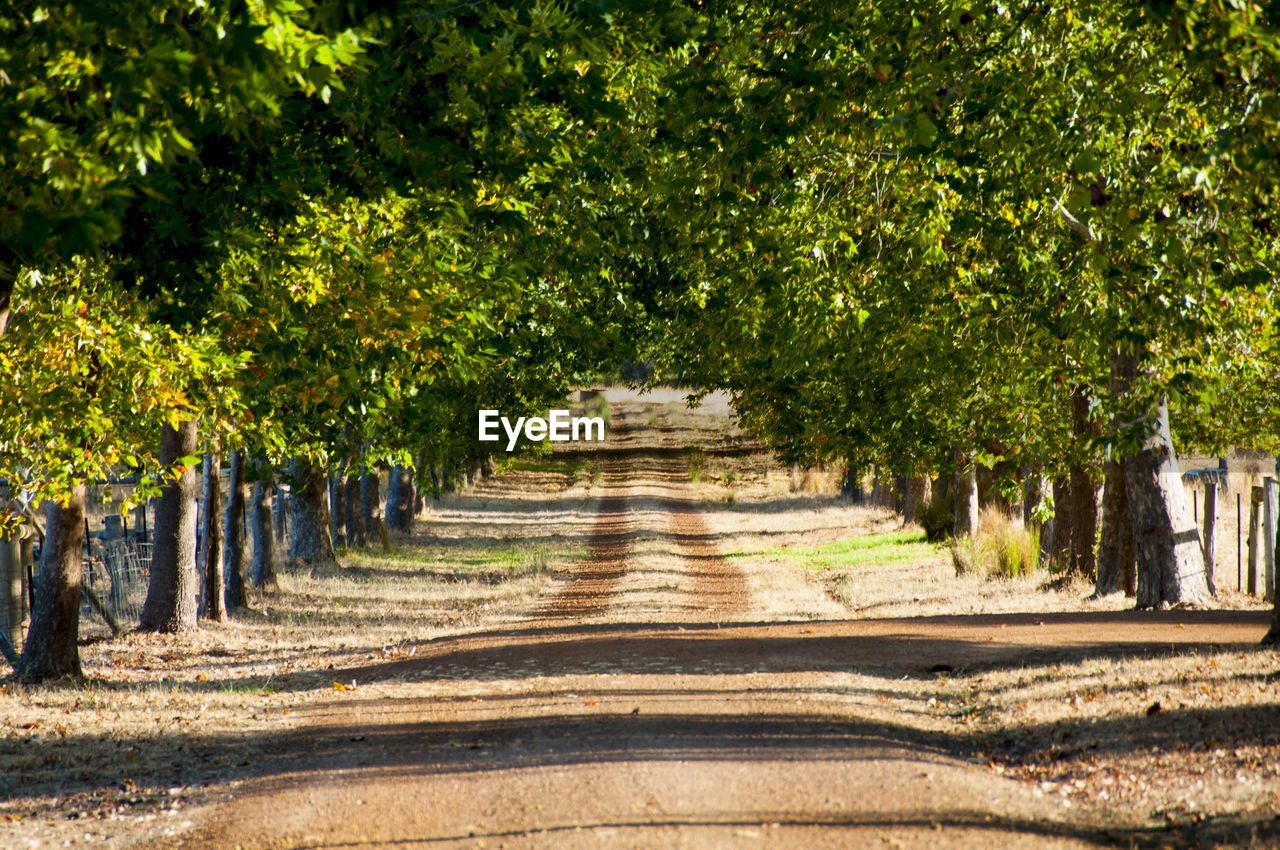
594, 582
649, 703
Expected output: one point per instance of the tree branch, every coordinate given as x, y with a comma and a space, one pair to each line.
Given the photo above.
1073, 222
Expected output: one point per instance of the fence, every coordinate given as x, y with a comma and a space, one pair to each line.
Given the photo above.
115, 586
1248, 566
117, 564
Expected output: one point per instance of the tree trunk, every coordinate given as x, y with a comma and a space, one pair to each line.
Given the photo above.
1060, 550
233, 533
1270, 526
1018, 504
11, 584
918, 487
172, 587
941, 486
1084, 495
878, 495
338, 514
370, 506
1049, 527
311, 542
369, 500
1084, 522
27, 546
264, 540
279, 503
1166, 541
211, 539
899, 494
1115, 553
1272, 637
52, 646
400, 499
1035, 489
355, 519
420, 493
966, 498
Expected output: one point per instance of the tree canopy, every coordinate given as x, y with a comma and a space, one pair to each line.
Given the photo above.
898, 233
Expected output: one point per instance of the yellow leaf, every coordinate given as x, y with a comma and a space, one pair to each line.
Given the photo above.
338, 686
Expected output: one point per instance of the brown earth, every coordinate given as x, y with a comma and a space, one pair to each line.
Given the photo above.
682, 685
580, 728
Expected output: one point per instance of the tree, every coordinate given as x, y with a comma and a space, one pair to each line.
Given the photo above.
264, 555
311, 543
234, 533
51, 649
172, 587
211, 540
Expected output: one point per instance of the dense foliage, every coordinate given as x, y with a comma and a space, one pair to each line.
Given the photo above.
901, 233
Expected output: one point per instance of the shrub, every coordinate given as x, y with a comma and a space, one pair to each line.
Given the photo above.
1003, 547
937, 518
824, 480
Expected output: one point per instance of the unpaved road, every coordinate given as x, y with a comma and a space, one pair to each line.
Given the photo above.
643, 704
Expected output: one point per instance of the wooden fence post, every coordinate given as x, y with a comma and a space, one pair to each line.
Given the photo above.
1210, 538
1254, 571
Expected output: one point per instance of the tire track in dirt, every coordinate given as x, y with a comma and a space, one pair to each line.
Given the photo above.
595, 581
719, 588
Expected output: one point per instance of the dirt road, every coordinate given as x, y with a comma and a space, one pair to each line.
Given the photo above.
650, 701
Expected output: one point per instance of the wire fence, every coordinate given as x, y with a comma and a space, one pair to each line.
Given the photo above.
117, 567
115, 586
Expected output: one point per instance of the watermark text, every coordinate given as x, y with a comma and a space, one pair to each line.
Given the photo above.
559, 427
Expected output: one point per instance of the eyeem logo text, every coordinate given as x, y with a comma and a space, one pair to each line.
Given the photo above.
558, 427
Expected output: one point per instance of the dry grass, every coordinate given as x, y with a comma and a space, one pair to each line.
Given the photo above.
160, 718
1082, 732
1183, 741
163, 718
823, 480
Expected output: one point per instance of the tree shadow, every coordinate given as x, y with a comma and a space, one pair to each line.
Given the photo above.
384, 745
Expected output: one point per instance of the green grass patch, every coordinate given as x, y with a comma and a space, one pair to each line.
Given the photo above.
597, 406
523, 560
895, 547
537, 464
697, 464
515, 558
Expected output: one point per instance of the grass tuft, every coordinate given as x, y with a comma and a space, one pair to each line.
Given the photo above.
1002, 548
697, 465
597, 406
